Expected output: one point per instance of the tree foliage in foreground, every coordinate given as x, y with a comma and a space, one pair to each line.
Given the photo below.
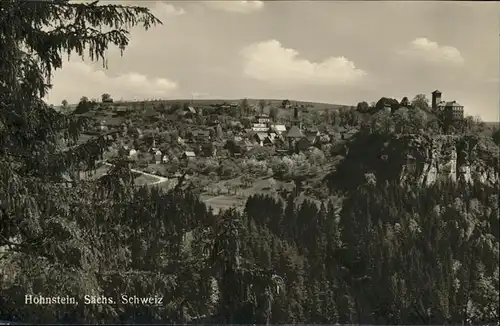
37, 222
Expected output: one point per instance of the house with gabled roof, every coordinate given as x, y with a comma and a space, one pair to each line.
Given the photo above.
133, 154
260, 138
312, 129
294, 133
260, 127
263, 118
122, 110
157, 157
181, 112
234, 147
188, 155
279, 129
248, 144
312, 137
200, 135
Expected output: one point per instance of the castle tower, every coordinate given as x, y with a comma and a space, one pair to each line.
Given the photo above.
436, 98
296, 117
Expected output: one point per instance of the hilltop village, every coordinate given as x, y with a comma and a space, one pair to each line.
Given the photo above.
228, 150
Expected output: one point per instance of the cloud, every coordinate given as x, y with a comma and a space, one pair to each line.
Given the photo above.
242, 7
269, 61
79, 79
163, 9
423, 49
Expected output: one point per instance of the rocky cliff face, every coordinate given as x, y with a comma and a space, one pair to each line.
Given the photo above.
423, 159
433, 159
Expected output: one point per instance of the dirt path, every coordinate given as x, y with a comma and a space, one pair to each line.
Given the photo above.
160, 179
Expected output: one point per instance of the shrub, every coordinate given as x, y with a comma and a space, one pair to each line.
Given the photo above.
247, 180
228, 170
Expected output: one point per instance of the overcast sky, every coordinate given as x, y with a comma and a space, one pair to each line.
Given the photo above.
328, 51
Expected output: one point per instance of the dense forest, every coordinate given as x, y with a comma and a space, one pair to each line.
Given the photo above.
392, 256
387, 253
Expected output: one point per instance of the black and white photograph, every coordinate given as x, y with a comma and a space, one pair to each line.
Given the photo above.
249, 162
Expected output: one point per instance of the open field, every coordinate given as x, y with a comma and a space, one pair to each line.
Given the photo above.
264, 185
237, 198
224, 202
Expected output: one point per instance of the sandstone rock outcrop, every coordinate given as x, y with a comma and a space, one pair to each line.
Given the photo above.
419, 158
455, 158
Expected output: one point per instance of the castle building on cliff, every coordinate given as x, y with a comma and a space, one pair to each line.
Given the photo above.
450, 111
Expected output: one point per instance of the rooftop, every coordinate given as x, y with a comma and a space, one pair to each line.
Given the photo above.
279, 128
261, 136
294, 132
449, 104
202, 133
454, 104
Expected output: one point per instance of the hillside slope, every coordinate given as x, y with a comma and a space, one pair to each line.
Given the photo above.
210, 102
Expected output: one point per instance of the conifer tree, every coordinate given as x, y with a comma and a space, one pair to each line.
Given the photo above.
40, 216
